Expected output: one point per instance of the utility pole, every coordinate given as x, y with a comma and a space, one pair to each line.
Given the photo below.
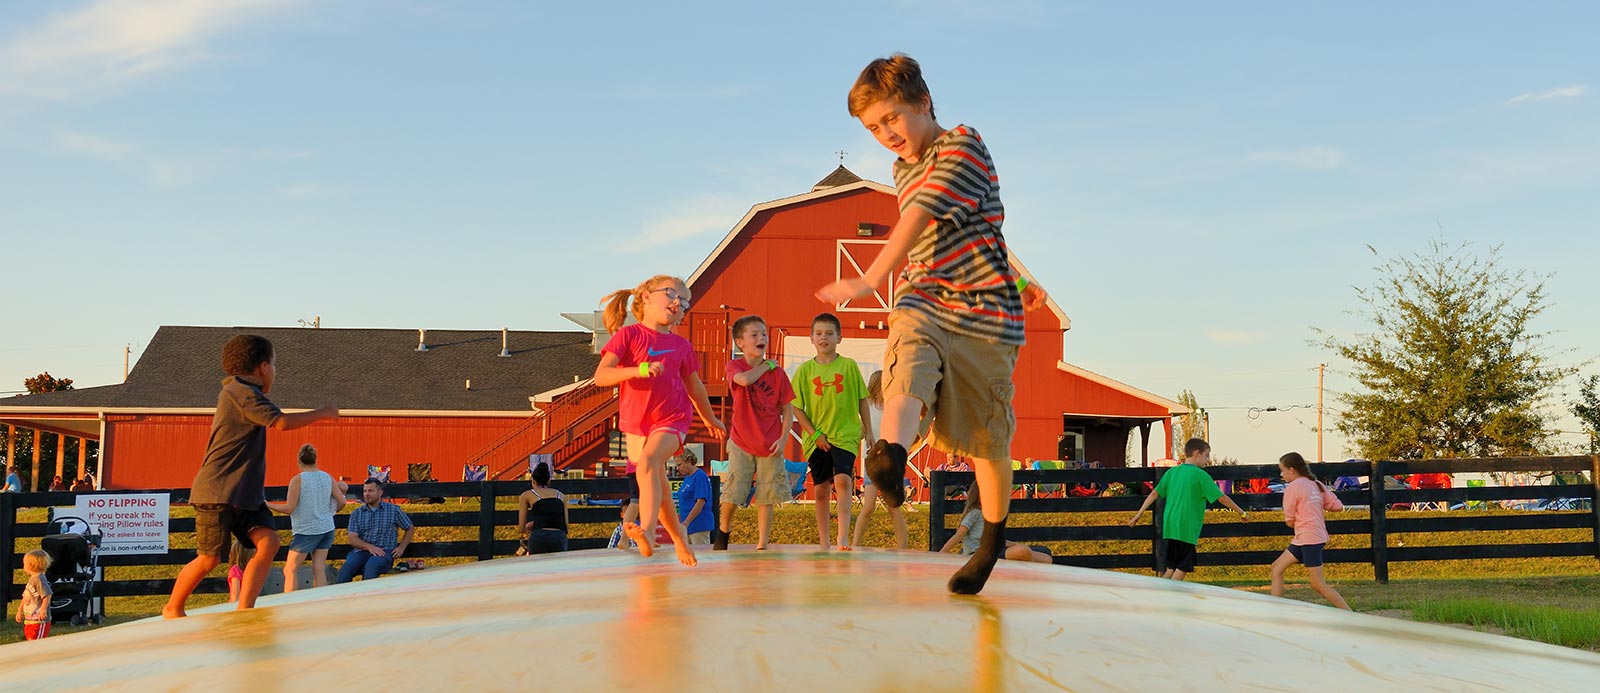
1321, 371
126, 349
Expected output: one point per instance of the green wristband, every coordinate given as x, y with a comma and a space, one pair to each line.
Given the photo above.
1022, 283
644, 369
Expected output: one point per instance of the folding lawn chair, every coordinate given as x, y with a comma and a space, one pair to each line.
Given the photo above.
796, 473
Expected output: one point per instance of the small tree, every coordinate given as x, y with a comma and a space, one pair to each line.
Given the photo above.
1587, 409
44, 382
1192, 424
1452, 366
26, 439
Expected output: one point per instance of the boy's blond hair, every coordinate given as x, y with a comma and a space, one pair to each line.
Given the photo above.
36, 561
896, 77
616, 303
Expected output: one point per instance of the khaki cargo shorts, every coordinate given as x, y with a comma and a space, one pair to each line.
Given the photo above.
964, 383
767, 472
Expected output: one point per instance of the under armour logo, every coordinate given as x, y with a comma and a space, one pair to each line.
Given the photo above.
837, 384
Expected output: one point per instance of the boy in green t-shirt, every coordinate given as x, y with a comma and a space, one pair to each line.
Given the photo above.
1188, 489
830, 402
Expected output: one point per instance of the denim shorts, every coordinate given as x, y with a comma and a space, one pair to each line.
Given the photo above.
306, 543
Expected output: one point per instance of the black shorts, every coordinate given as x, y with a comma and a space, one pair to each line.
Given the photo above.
1309, 554
1180, 555
826, 464
215, 523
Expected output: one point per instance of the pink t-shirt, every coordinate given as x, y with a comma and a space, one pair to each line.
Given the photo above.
1303, 504
758, 409
651, 404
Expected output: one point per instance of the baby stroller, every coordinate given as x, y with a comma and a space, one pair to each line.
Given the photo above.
74, 564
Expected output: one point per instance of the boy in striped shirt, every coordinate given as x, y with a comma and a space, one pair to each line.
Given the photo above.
957, 321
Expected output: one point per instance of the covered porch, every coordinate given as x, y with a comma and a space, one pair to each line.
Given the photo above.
1103, 413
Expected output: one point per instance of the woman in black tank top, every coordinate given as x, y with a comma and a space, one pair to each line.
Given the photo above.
542, 514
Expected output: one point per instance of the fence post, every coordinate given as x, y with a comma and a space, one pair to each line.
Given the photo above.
1594, 504
935, 509
486, 520
1158, 544
8, 545
1380, 523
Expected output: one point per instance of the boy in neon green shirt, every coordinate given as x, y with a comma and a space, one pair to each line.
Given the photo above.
1188, 489
830, 402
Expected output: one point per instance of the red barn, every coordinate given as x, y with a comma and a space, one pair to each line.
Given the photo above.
782, 251
493, 398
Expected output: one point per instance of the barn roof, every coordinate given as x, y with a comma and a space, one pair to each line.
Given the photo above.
354, 369
840, 176
820, 192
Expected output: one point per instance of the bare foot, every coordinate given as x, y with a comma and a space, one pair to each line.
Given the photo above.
169, 612
761, 547
823, 547
636, 533
686, 554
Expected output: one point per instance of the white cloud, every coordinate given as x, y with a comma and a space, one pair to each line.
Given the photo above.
171, 168
1234, 337
1567, 92
702, 215
1316, 158
112, 43
96, 146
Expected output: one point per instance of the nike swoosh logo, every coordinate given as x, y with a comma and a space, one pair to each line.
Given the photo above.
653, 352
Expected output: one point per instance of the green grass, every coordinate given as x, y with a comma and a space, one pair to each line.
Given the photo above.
1561, 610
1549, 598
1553, 624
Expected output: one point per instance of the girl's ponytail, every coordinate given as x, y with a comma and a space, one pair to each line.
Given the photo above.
1297, 462
616, 309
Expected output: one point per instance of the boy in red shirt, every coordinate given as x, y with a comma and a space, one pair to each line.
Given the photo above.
763, 411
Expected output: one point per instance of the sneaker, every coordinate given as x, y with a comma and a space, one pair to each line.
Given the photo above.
719, 540
886, 466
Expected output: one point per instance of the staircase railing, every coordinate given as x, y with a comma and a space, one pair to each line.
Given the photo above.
562, 412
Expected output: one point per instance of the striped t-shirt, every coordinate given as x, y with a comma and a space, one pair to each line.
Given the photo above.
959, 272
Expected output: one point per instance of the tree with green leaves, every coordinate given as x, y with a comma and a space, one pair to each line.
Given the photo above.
44, 382
1587, 409
1192, 424
26, 438
1453, 364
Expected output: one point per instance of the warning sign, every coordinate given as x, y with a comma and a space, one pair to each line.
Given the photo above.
128, 524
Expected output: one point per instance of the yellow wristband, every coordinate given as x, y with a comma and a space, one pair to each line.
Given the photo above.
644, 369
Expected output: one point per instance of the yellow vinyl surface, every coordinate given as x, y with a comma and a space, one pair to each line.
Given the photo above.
784, 619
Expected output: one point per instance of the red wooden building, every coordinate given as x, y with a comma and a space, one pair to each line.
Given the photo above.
493, 397
782, 251
408, 397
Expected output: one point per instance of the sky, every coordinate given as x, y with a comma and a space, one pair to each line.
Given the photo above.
1197, 185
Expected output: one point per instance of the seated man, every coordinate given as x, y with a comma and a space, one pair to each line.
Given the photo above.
372, 535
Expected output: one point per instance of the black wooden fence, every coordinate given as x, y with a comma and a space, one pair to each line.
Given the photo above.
1379, 526
486, 518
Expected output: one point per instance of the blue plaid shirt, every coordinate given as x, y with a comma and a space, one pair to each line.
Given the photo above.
379, 526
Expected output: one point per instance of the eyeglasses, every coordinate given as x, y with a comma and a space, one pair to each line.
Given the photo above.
673, 295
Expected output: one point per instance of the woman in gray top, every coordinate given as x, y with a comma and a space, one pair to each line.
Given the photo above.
312, 520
